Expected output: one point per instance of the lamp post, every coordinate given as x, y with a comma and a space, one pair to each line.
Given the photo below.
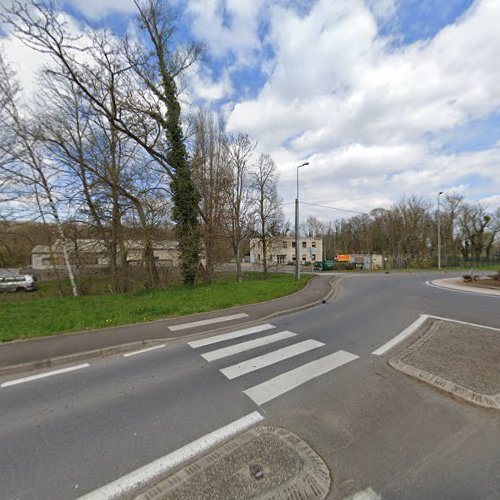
297, 253
439, 230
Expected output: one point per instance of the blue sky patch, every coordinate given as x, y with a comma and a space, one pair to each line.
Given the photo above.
423, 19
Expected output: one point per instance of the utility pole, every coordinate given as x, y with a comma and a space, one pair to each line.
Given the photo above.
439, 230
297, 250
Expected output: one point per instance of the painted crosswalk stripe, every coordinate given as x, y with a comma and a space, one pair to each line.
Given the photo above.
203, 322
246, 346
270, 358
229, 336
287, 381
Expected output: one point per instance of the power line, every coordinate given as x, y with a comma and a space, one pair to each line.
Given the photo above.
335, 208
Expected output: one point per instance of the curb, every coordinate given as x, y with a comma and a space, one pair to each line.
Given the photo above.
130, 346
461, 287
79, 356
477, 398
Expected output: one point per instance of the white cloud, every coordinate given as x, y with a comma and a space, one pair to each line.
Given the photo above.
362, 111
228, 26
203, 86
97, 9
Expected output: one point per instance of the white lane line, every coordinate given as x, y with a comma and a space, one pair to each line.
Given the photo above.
287, 381
481, 292
464, 322
228, 336
246, 346
401, 336
43, 375
270, 358
203, 322
144, 350
141, 476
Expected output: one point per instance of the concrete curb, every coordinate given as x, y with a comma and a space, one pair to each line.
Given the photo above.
477, 398
445, 385
81, 353
455, 284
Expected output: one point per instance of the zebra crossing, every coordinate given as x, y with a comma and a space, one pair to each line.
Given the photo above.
242, 342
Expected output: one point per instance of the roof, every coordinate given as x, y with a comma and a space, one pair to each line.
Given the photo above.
98, 246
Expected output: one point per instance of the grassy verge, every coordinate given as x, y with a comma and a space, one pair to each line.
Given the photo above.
46, 315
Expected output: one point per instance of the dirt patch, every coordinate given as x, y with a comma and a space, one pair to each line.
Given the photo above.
486, 283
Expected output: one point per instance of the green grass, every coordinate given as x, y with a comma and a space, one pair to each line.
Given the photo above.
38, 314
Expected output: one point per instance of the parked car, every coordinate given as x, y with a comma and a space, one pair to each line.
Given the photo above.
20, 283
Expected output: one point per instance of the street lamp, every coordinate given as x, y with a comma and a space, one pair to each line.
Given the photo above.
297, 260
439, 230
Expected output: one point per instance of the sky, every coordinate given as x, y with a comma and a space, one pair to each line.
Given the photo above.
384, 98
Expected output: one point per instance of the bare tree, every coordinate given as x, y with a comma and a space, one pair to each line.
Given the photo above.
268, 205
147, 110
241, 208
210, 173
26, 162
478, 230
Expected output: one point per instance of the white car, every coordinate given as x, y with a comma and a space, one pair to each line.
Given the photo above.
19, 283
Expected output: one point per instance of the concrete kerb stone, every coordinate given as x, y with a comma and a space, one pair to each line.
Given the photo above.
434, 379
457, 284
46, 362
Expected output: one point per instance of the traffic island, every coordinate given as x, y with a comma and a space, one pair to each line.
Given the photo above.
264, 463
456, 357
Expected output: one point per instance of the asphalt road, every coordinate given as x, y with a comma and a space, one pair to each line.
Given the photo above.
69, 434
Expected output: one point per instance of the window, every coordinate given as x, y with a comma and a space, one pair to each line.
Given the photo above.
313, 244
283, 244
313, 257
293, 244
280, 259
258, 257
304, 244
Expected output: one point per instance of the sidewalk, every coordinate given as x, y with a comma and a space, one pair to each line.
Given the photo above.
46, 351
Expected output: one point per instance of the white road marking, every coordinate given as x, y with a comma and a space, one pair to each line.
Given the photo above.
43, 375
228, 336
287, 381
259, 362
141, 476
401, 336
464, 322
481, 292
246, 346
144, 350
203, 322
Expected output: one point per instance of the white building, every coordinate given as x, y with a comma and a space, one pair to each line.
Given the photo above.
281, 250
93, 253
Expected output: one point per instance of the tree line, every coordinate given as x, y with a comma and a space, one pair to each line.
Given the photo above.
407, 233
103, 143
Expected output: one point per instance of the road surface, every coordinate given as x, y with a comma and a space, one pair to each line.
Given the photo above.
312, 372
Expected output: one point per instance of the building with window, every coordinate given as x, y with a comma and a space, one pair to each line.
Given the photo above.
281, 250
86, 253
